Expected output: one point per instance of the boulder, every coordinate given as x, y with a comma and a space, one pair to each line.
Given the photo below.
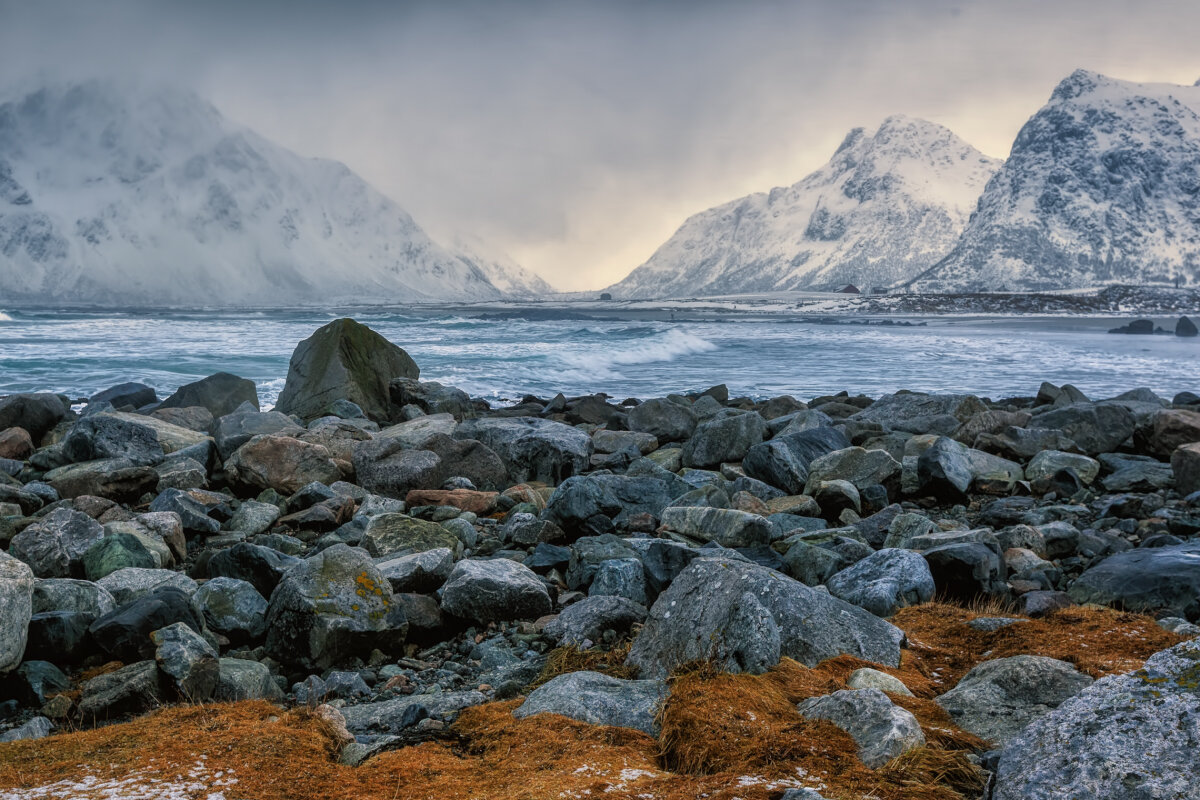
665, 420
857, 466
16, 607
497, 589
233, 430
470, 459
16, 444
708, 609
333, 606
1172, 428
344, 360
281, 463
1046, 463
881, 729
257, 565
54, 546
966, 571
240, 679
124, 634
232, 608
1125, 736
36, 413
65, 594
725, 526
587, 620
532, 449
620, 577
884, 581
726, 437
922, 413
869, 678
129, 690
129, 583
130, 394
1095, 427
1145, 579
944, 471
1185, 466
118, 551
221, 394
413, 434
784, 461
589, 505
389, 535
393, 716
386, 467
431, 397
811, 564
1025, 443
998, 698
190, 662
598, 700
111, 478
419, 572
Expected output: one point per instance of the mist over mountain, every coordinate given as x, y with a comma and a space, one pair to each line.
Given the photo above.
1102, 187
120, 195
887, 206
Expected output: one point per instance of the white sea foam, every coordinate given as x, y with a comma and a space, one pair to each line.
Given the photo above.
5, 317
664, 347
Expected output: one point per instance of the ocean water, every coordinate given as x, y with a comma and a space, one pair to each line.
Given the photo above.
79, 353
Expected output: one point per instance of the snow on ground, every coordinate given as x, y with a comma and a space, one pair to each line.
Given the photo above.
199, 784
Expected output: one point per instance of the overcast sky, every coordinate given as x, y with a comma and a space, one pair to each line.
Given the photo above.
577, 136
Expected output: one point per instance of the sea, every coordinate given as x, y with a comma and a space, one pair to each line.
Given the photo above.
79, 353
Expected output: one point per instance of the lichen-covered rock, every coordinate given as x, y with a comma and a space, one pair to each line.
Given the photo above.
16, 607
725, 526
331, 607
399, 534
884, 581
129, 690
598, 700
694, 619
998, 698
1131, 736
187, 660
344, 360
881, 729
53, 546
497, 589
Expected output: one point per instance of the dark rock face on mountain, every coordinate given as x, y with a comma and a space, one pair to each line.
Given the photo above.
1102, 187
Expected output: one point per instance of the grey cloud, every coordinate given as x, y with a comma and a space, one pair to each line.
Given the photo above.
578, 135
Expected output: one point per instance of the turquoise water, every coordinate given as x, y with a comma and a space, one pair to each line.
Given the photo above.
79, 353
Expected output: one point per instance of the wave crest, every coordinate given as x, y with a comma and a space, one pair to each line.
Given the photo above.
602, 359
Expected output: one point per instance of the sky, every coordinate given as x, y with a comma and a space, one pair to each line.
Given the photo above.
577, 136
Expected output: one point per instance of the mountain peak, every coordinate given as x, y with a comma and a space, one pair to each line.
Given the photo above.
133, 194
1078, 83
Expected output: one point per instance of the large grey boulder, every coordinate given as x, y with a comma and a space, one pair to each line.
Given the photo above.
726, 526
998, 698
187, 660
129, 690
425, 571
113, 435
233, 430
344, 360
726, 437
399, 534
587, 619
67, 594
598, 700
1133, 736
129, 583
221, 394
53, 546
944, 471
1048, 462
860, 467
16, 607
666, 420
1095, 427
735, 612
532, 449
385, 466
496, 589
431, 397
37, 413
589, 505
884, 582
232, 607
784, 461
881, 729
392, 716
241, 679
922, 413
1145, 579
331, 607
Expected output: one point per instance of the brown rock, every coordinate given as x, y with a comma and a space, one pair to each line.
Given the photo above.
1185, 463
479, 503
16, 443
1172, 428
281, 463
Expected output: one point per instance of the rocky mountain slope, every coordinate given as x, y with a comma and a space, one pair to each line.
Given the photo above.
886, 207
501, 270
1102, 187
117, 195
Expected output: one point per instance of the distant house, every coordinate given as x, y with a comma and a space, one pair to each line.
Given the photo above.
605, 296
878, 290
849, 288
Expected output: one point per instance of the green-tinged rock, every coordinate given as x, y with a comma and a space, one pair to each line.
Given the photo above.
400, 534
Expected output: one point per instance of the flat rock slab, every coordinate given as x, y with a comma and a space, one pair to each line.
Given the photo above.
598, 700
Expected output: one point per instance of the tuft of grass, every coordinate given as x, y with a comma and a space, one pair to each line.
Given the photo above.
570, 658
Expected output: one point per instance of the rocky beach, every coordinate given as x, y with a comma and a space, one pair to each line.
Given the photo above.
384, 587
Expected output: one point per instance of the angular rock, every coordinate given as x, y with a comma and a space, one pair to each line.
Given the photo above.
1185, 466
128, 584
860, 467
392, 716
532, 449
259, 566
344, 360
498, 589
187, 660
998, 698
1046, 463
332, 607
240, 679
1095, 427
129, 690
1172, 428
281, 463
784, 461
881, 729
232, 608
36, 413
692, 620
868, 678
221, 393
725, 526
1126, 736
114, 479
231, 431
598, 700
133, 395
124, 634
587, 619
431, 397
16, 607
419, 572
724, 438
1145, 580
595, 504
386, 467
922, 413
944, 471
399, 534
665, 420
884, 581
53, 547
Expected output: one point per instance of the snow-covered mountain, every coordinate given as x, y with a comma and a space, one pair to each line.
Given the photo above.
504, 273
1102, 187
885, 208
119, 195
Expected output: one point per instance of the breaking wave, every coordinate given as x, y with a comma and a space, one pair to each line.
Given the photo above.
602, 359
